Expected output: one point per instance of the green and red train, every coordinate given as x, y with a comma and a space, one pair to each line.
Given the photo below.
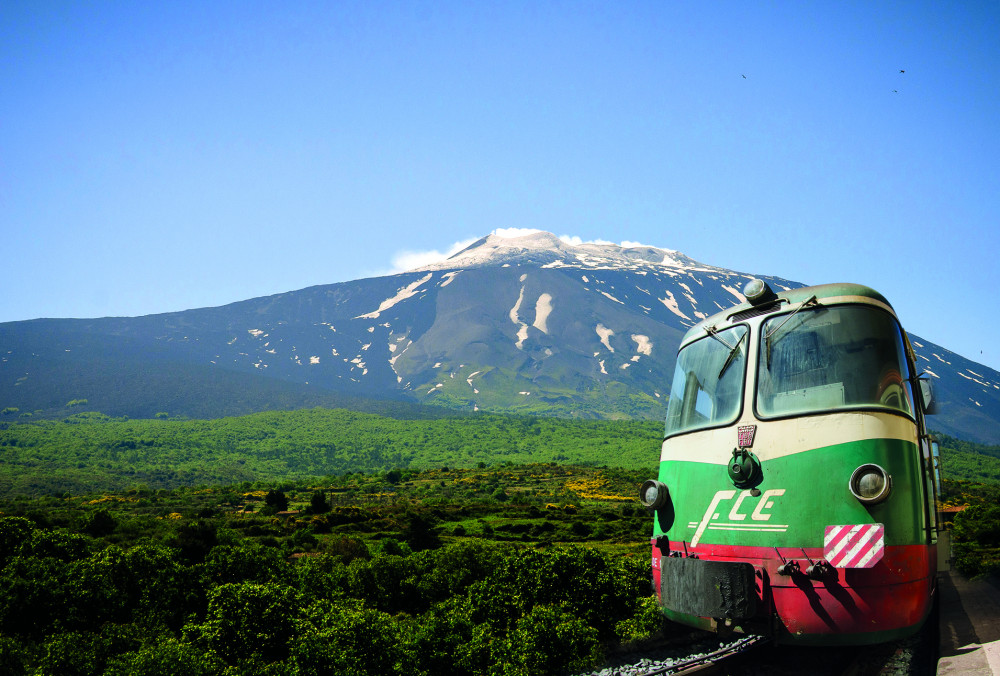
797, 488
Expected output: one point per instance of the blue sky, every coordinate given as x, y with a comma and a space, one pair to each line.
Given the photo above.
166, 156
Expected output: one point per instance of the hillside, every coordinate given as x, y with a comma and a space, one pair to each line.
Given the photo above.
530, 325
92, 452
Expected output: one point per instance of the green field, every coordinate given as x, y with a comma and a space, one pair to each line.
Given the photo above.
89, 451
92, 452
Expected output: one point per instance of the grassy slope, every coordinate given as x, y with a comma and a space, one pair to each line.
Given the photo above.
90, 451
94, 452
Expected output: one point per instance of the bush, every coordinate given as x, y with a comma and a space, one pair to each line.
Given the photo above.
168, 658
550, 640
976, 533
346, 638
248, 620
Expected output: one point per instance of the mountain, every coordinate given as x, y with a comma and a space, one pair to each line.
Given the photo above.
527, 324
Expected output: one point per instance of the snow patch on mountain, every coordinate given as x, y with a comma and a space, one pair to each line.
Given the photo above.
643, 344
396, 355
737, 294
402, 294
605, 334
513, 314
522, 331
671, 304
543, 307
448, 278
469, 380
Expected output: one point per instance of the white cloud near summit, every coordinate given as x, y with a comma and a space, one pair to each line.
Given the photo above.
403, 261
408, 260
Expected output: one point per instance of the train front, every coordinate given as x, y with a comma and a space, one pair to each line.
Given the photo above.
795, 495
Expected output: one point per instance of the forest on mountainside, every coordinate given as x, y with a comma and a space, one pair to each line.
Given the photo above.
90, 451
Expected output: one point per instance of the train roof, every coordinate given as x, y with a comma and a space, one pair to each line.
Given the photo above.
840, 291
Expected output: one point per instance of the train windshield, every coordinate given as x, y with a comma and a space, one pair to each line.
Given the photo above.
708, 382
830, 358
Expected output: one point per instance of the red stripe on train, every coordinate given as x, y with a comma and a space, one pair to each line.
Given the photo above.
892, 595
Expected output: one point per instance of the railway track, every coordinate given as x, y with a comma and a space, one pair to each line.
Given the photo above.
705, 664
705, 655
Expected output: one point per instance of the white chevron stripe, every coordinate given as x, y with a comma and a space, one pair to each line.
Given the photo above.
859, 544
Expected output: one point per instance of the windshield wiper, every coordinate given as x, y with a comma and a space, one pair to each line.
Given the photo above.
732, 355
768, 343
712, 331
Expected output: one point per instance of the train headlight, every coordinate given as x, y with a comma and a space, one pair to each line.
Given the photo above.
653, 493
870, 484
758, 292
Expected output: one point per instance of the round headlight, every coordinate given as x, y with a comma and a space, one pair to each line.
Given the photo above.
653, 493
757, 291
870, 484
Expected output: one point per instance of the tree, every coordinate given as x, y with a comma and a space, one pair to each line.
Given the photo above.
196, 539
32, 596
75, 654
420, 531
549, 640
14, 530
318, 504
167, 658
347, 638
247, 621
100, 522
275, 501
246, 561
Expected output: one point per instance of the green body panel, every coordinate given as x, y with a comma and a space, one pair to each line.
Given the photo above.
816, 495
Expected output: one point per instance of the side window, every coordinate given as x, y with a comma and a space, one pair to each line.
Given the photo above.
708, 381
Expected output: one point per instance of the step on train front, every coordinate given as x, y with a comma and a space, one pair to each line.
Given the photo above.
797, 487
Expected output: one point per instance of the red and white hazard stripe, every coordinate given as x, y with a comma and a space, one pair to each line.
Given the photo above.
854, 546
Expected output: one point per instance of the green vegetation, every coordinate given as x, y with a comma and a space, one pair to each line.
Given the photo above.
976, 529
422, 572
450, 545
965, 460
91, 452
505, 390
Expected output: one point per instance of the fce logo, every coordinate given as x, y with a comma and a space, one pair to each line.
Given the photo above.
742, 509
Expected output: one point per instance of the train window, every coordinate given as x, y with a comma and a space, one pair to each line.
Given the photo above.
830, 358
708, 381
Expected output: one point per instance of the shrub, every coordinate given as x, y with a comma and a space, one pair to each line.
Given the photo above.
346, 638
549, 640
167, 658
248, 620
976, 533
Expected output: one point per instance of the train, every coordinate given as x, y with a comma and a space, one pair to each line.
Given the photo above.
796, 496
